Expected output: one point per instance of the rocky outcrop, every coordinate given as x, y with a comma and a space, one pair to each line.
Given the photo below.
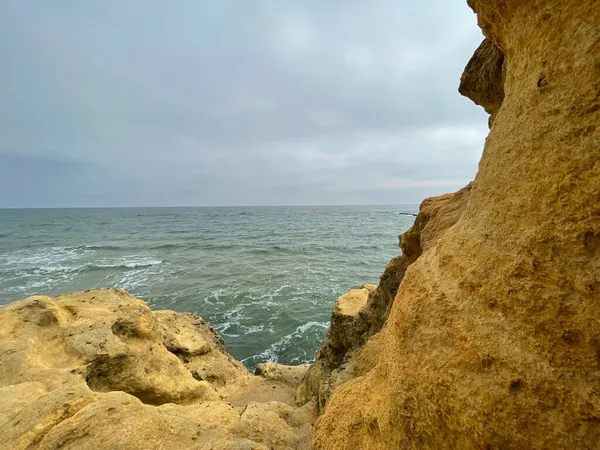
483, 78
360, 313
493, 339
333, 364
99, 369
290, 375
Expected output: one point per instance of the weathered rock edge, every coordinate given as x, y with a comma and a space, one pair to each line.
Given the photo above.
493, 338
361, 313
98, 369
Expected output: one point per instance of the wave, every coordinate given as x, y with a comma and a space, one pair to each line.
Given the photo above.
33, 258
274, 249
218, 246
274, 352
103, 247
186, 245
117, 265
110, 247
199, 243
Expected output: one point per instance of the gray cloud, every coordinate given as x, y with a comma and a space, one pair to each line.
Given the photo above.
265, 102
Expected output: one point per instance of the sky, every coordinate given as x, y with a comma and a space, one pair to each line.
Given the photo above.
263, 102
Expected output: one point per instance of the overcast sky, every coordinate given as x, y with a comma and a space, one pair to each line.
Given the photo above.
237, 102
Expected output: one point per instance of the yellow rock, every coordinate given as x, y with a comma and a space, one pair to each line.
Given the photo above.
494, 335
351, 302
360, 313
99, 369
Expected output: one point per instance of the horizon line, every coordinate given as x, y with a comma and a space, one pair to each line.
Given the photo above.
207, 206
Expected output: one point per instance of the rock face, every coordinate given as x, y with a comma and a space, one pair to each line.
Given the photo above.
333, 364
483, 78
493, 339
99, 369
360, 313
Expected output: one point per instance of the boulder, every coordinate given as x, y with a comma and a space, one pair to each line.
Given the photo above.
98, 369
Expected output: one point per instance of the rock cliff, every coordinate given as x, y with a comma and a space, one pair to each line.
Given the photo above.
99, 369
483, 334
361, 313
493, 337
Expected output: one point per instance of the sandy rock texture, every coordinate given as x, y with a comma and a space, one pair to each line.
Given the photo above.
98, 369
483, 78
361, 313
493, 339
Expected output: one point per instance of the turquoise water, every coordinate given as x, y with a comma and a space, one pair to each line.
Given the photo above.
265, 277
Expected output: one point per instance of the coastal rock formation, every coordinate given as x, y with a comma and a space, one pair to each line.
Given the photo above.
333, 363
99, 369
360, 313
483, 334
483, 78
493, 338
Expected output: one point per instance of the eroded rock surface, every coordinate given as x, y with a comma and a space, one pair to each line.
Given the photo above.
360, 313
290, 375
483, 78
493, 338
99, 369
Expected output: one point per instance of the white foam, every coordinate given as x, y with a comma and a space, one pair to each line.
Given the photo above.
131, 262
39, 257
271, 354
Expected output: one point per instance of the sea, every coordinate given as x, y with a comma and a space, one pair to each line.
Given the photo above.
264, 277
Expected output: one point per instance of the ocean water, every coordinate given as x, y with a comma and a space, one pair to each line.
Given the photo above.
265, 277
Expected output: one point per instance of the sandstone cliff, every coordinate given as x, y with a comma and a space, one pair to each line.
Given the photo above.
360, 313
493, 337
99, 369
